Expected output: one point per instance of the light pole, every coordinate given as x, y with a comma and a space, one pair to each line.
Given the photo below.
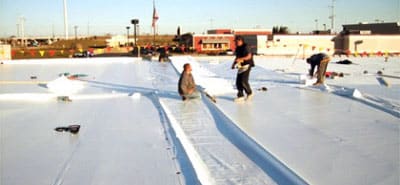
18, 31
316, 24
135, 22
127, 35
21, 24
332, 16
76, 32
65, 20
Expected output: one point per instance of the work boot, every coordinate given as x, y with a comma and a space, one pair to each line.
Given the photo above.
239, 99
250, 96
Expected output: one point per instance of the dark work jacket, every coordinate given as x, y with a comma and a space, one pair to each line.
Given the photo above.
315, 60
242, 51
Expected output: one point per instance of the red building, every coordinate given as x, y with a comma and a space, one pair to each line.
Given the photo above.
219, 31
220, 41
213, 43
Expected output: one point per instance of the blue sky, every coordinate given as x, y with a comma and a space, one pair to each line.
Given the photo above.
98, 17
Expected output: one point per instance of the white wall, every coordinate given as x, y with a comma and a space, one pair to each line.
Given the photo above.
118, 40
374, 43
300, 45
5, 52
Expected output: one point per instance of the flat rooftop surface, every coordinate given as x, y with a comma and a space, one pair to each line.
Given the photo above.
135, 129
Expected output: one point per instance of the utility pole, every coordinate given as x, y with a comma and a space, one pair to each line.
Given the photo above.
332, 16
65, 20
52, 30
398, 11
127, 35
134, 22
154, 22
88, 29
18, 30
211, 22
22, 29
76, 32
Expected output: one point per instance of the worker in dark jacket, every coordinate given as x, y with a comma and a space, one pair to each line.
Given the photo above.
187, 86
321, 60
243, 62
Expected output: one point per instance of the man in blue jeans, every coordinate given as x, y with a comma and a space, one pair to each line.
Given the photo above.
243, 62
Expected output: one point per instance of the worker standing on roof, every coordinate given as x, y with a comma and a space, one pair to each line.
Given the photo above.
243, 62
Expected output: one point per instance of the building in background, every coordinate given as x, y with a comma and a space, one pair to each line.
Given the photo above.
221, 41
392, 28
5, 52
368, 39
213, 44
